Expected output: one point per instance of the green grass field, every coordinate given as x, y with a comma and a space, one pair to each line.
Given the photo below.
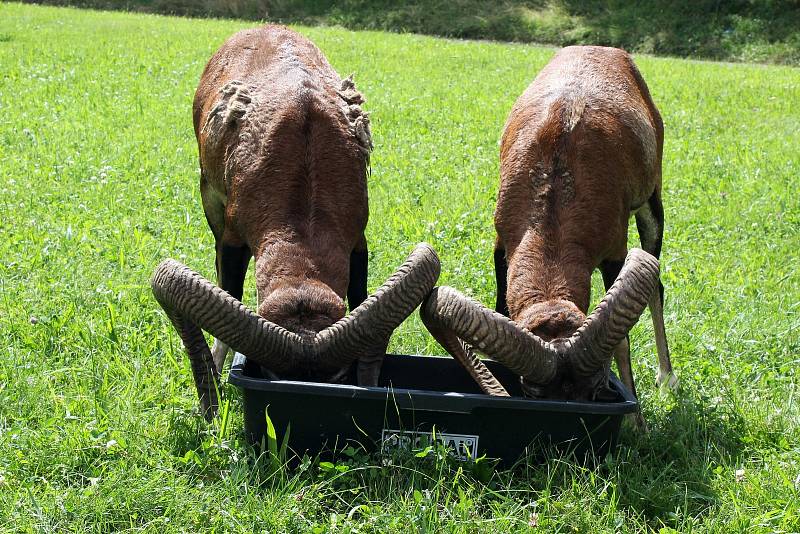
99, 428
765, 31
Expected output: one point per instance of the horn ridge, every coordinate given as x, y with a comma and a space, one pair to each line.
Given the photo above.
591, 347
191, 302
525, 354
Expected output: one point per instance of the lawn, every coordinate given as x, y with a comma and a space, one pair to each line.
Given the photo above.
734, 30
99, 428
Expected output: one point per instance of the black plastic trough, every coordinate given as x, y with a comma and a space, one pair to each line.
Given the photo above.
418, 395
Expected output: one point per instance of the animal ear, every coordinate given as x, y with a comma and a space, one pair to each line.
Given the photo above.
447, 310
591, 346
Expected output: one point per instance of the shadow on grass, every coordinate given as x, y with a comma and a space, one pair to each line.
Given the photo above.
675, 466
693, 443
667, 475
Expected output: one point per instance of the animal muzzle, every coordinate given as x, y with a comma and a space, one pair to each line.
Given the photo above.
450, 315
551, 320
303, 307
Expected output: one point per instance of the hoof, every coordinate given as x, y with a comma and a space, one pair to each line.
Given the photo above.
636, 420
667, 381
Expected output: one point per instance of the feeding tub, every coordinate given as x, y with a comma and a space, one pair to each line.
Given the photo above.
420, 397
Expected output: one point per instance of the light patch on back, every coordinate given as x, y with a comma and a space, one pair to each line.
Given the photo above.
357, 118
229, 111
573, 111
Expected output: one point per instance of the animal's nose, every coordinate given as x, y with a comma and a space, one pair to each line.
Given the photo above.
554, 328
551, 320
306, 325
557, 326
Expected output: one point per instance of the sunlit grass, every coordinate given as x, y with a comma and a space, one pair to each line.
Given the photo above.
99, 182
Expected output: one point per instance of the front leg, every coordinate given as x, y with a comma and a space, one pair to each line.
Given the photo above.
501, 276
357, 285
232, 257
232, 262
369, 365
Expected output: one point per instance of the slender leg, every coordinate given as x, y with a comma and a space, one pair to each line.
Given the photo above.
650, 224
501, 275
231, 261
219, 351
206, 371
357, 286
622, 353
369, 366
232, 265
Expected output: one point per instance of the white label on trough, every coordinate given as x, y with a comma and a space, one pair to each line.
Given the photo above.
461, 446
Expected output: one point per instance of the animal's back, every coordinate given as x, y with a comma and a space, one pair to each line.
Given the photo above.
278, 133
590, 132
274, 57
588, 84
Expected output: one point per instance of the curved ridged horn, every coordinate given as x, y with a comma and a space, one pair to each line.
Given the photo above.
372, 322
592, 345
448, 313
192, 302
527, 355
464, 355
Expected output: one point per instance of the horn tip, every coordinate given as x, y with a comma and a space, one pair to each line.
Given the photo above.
426, 248
165, 266
428, 254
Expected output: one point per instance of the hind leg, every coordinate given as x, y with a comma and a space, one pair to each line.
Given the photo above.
622, 353
650, 224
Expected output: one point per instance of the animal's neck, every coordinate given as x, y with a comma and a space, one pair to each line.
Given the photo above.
539, 272
281, 261
291, 292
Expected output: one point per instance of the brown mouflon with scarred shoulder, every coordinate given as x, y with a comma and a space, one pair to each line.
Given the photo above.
580, 152
284, 155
